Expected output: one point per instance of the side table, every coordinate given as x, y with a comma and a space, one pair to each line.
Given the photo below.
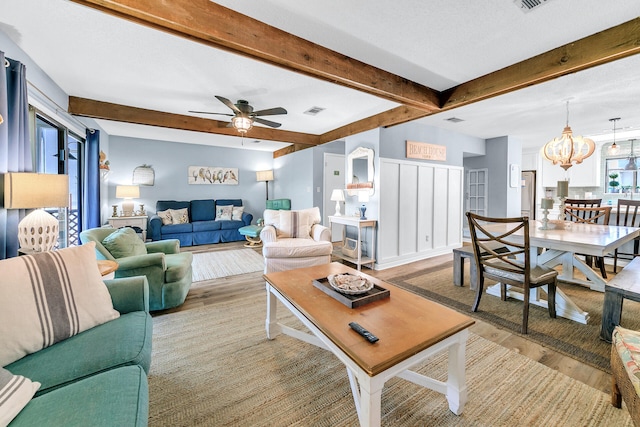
360, 224
252, 234
107, 268
130, 221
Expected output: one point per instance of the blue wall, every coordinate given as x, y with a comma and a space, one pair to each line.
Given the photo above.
171, 160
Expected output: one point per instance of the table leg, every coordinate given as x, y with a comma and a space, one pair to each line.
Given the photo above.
271, 324
611, 314
456, 381
370, 414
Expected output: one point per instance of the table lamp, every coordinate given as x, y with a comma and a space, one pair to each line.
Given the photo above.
265, 176
337, 196
38, 231
545, 204
127, 192
363, 197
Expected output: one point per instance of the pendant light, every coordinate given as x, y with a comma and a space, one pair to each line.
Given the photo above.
568, 149
614, 148
632, 160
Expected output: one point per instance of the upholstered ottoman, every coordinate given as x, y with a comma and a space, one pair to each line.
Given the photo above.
252, 234
625, 367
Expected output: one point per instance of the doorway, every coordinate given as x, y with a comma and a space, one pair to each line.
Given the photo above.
333, 178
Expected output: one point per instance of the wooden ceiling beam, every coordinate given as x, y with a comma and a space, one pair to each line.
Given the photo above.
122, 113
217, 26
606, 46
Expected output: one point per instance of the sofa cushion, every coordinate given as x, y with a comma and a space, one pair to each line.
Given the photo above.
230, 225
121, 342
15, 392
176, 228
165, 216
295, 223
206, 226
227, 202
163, 205
124, 242
203, 210
118, 397
223, 213
296, 248
179, 216
49, 297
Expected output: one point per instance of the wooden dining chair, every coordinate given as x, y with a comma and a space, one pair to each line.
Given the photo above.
511, 267
590, 215
627, 215
583, 203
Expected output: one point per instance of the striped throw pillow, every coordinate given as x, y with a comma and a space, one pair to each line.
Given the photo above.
15, 392
48, 297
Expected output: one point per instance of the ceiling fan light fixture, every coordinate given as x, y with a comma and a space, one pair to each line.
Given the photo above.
568, 149
242, 124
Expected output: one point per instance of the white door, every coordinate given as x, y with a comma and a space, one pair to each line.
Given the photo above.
333, 178
477, 192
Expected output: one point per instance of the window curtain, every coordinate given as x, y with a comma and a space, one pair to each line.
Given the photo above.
90, 206
15, 147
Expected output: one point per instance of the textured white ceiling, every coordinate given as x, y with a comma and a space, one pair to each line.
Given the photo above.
436, 43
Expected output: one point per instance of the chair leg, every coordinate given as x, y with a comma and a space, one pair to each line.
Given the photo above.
600, 263
615, 261
503, 291
551, 299
479, 292
525, 311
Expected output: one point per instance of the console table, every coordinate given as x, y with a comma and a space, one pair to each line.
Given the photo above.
360, 224
130, 221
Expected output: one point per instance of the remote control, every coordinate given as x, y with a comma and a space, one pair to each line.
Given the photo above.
362, 331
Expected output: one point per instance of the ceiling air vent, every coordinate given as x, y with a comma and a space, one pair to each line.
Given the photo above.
314, 111
528, 5
454, 120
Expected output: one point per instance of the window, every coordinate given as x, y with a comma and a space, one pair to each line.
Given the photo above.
60, 151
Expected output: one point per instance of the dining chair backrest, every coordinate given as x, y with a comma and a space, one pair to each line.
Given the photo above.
486, 239
627, 214
599, 215
583, 203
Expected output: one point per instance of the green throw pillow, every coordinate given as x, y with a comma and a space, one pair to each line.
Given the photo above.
124, 242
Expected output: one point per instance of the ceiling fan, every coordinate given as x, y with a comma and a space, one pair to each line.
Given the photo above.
244, 116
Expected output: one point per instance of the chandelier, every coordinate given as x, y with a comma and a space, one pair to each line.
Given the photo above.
568, 149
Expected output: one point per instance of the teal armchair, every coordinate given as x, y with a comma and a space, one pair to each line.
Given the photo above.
168, 271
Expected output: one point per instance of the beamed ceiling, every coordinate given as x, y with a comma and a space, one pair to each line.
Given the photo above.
236, 40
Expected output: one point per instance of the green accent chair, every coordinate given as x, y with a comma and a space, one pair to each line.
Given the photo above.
168, 271
279, 204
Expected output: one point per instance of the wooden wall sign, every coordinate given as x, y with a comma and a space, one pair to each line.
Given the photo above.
424, 151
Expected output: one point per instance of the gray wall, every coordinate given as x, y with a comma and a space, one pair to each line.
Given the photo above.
170, 162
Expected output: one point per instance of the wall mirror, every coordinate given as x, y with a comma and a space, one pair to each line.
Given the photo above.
360, 171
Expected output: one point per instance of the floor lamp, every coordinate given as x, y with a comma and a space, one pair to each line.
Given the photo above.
265, 176
38, 231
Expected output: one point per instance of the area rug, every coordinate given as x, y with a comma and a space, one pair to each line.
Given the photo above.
216, 264
581, 342
213, 366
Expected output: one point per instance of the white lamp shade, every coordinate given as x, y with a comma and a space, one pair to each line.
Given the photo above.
337, 195
127, 191
264, 175
24, 190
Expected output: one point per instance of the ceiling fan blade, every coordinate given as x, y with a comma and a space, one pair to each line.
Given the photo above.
209, 112
229, 104
270, 112
267, 122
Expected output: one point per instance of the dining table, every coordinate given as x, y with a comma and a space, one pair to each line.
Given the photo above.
559, 244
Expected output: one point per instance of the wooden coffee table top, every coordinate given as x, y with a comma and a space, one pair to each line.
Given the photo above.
405, 323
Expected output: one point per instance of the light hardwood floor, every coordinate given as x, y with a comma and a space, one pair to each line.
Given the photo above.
228, 288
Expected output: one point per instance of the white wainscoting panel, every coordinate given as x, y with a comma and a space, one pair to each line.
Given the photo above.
420, 211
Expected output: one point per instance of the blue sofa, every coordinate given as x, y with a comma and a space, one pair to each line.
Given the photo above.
97, 377
202, 229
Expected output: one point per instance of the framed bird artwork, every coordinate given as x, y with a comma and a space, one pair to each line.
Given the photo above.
208, 175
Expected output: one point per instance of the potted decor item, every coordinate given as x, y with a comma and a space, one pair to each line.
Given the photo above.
613, 184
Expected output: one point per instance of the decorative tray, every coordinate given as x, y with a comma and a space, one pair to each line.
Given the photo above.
352, 301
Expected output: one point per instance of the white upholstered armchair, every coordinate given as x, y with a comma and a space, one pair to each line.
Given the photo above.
294, 239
